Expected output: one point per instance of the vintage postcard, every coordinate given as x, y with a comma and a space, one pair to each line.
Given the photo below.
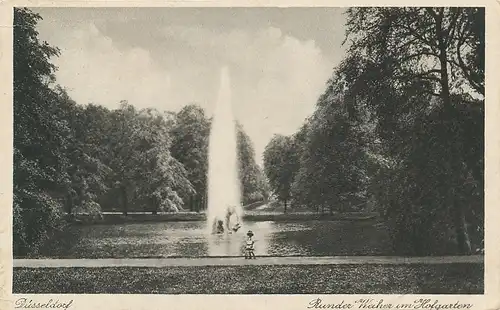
278, 155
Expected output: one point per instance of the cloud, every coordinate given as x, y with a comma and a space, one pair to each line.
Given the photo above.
276, 78
95, 70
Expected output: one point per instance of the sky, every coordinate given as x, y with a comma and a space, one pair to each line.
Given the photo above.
279, 59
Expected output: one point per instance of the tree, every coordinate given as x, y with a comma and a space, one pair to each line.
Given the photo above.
417, 71
332, 158
122, 139
144, 172
87, 173
280, 166
161, 180
251, 178
190, 147
41, 138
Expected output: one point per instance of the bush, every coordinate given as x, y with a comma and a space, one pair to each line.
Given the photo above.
36, 217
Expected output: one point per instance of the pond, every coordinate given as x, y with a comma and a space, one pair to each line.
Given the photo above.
189, 239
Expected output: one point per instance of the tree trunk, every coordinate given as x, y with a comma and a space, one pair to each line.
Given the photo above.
285, 206
199, 202
69, 208
155, 206
69, 204
463, 239
453, 164
124, 200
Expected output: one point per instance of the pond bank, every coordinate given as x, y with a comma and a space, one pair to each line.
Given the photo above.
240, 261
118, 218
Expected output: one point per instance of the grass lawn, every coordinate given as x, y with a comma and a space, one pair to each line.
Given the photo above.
285, 279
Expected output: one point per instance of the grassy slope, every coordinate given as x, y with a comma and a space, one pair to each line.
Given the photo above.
326, 279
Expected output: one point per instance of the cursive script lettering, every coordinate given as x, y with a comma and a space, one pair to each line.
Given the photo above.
379, 304
318, 304
427, 304
372, 304
25, 303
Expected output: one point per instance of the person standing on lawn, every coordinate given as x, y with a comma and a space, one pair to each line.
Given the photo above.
249, 247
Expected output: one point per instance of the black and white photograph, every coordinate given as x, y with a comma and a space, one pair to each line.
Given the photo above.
249, 150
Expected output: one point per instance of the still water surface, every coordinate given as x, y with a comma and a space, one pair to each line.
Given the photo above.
189, 239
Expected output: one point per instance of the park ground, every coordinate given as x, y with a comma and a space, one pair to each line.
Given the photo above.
454, 278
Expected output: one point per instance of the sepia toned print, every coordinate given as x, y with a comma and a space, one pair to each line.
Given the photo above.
249, 151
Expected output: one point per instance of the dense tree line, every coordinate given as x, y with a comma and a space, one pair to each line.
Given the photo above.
71, 158
400, 124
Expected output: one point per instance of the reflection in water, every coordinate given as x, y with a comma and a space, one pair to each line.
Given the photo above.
190, 239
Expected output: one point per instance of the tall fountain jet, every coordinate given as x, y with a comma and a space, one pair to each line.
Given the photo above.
224, 203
